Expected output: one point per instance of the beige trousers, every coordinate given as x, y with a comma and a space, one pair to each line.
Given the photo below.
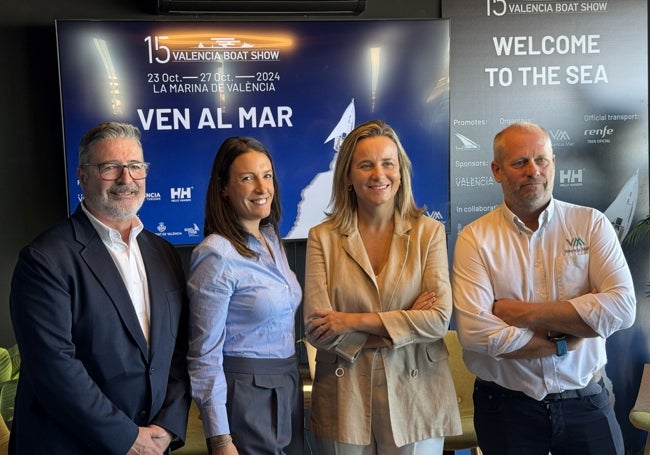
381, 441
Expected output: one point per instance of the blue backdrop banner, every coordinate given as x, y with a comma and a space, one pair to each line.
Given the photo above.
299, 87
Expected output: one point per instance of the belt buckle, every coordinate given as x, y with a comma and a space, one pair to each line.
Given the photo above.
554, 397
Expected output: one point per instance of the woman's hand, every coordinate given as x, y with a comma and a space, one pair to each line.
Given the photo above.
324, 326
424, 301
222, 445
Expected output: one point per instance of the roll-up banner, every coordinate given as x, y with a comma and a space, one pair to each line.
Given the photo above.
579, 69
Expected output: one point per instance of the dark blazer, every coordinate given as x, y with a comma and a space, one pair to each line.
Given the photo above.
87, 377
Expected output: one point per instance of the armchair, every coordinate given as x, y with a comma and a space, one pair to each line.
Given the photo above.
9, 367
464, 383
640, 413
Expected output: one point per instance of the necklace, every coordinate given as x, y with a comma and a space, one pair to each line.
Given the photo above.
264, 243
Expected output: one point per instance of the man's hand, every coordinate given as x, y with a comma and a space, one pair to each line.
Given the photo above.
162, 437
151, 440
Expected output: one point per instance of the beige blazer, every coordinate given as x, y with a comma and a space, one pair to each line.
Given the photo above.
421, 392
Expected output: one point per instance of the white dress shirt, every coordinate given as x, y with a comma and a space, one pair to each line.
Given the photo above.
128, 260
574, 251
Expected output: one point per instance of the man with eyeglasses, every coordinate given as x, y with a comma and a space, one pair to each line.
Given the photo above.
99, 310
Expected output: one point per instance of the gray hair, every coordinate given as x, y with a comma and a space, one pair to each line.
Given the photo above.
105, 131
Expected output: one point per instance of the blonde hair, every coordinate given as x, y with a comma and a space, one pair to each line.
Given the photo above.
343, 202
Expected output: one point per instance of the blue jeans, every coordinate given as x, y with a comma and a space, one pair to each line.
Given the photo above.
512, 423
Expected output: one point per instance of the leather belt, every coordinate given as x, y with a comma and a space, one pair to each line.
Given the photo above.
593, 388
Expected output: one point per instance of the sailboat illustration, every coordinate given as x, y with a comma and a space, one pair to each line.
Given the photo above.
342, 128
468, 144
315, 197
621, 210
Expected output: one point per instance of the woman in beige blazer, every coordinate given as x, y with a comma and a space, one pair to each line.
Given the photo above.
377, 307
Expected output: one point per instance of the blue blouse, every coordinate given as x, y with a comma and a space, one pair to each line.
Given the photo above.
242, 307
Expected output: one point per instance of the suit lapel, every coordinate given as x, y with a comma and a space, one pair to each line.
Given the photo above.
101, 264
353, 246
153, 267
396, 265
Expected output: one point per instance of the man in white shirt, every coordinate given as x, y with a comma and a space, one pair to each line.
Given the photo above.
538, 285
99, 309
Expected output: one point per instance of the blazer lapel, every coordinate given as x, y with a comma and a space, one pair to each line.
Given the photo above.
152, 265
101, 264
353, 246
396, 265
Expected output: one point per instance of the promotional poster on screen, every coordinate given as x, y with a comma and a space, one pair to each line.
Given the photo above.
299, 87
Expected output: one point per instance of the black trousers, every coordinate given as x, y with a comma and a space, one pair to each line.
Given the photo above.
511, 423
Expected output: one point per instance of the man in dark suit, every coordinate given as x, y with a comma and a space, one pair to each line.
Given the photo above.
99, 310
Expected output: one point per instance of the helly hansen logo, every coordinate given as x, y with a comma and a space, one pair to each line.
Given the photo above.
570, 176
180, 194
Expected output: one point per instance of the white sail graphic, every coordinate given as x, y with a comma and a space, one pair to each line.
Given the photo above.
621, 210
315, 197
343, 127
468, 144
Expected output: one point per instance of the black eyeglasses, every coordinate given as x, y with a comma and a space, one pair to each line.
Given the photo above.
113, 171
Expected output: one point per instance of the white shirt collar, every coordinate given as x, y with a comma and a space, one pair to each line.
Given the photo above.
543, 218
111, 237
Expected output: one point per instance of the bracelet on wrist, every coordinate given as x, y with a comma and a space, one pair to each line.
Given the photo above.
222, 442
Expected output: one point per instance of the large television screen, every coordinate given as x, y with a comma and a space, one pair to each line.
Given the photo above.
297, 86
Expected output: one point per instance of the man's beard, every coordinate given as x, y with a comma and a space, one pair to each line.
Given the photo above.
119, 210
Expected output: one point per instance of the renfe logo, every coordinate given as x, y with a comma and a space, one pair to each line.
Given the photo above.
600, 132
599, 135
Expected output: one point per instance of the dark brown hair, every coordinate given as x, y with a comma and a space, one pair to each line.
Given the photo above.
220, 216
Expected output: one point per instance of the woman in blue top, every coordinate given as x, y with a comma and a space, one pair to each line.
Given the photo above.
243, 300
